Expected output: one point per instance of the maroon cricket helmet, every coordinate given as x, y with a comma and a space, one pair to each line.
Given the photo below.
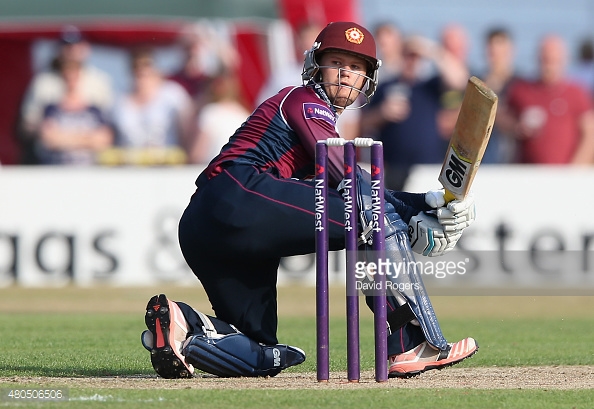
349, 37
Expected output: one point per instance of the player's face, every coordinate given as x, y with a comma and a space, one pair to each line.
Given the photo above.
343, 75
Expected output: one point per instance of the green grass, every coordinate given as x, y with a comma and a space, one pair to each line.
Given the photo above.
62, 345
65, 345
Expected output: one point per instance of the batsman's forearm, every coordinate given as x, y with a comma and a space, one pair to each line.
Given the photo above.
416, 200
407, 204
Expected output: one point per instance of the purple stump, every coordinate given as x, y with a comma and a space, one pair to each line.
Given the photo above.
379, 300
321, 220
352, 296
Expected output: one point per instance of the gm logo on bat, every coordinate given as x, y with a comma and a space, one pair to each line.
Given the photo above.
456, 169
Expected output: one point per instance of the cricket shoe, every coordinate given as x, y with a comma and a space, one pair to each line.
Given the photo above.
167, 331
424, 357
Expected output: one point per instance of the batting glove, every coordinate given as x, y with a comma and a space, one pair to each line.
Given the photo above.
434, 198
457, 215
428, 237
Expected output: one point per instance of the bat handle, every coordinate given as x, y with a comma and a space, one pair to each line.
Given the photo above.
448, 196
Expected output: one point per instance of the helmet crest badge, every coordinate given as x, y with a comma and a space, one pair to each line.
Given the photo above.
354, 35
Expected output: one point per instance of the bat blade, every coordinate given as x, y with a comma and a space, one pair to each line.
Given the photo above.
469, 139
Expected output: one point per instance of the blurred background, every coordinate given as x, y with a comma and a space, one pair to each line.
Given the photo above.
111, 109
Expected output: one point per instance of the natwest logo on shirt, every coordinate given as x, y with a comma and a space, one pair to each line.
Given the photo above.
317, 111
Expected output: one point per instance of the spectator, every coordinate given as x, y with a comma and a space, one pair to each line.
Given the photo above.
156, 113
583, 71
388, 39
206, 55
49, 88
72, 132
305, 36
219, 118
500, 73
454, 39
551, 116
389, 44
499, 52
403, 112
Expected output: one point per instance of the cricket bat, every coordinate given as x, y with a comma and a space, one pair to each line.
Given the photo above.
469, 139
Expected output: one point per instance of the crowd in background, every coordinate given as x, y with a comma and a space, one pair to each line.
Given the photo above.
71, 114
547, 119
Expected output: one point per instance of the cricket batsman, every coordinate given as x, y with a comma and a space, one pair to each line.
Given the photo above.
254, 204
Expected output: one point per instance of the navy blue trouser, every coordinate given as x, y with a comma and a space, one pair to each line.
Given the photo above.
233, 234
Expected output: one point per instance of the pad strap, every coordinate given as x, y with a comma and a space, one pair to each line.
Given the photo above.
400, 317
207, 326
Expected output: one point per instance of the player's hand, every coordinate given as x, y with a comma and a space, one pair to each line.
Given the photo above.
423, 47
457, 215
428, 237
